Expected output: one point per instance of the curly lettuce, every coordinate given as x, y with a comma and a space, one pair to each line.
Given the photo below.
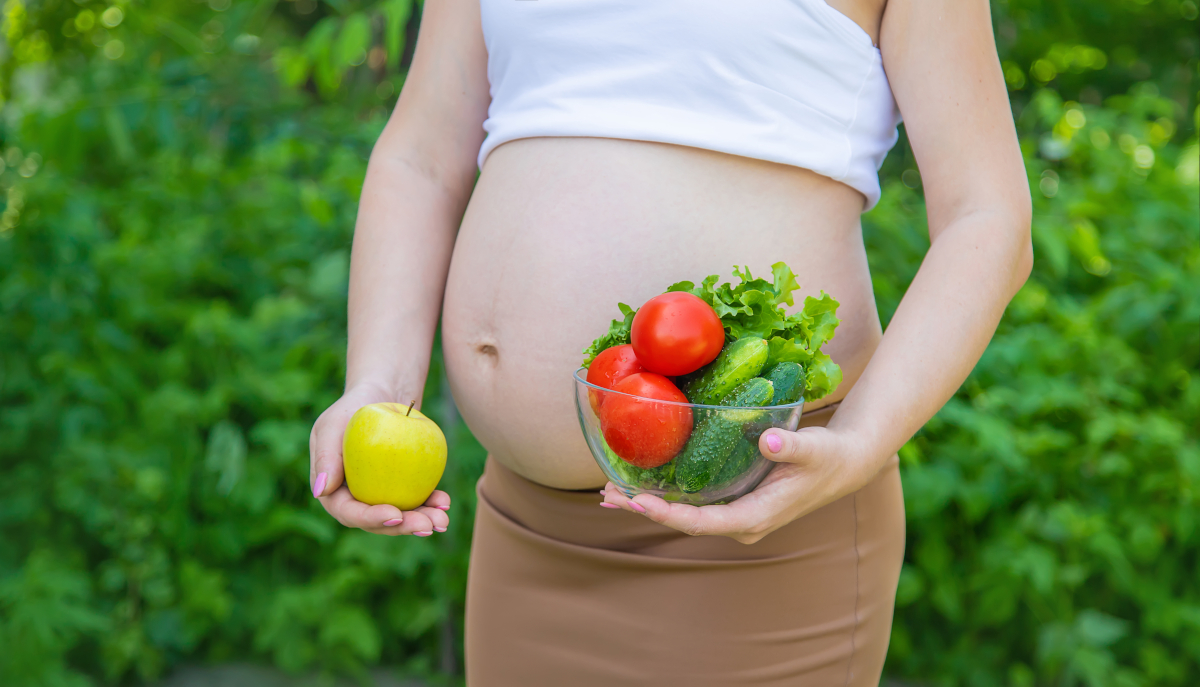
618, 334
756, 307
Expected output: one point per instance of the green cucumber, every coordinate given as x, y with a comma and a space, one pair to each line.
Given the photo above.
788, 379
738, 362
740, 459
718, 433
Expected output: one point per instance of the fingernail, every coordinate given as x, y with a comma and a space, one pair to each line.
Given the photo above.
602, 492
606, 504
319, 485
438, 529
442, 507
422, 534
393, 522
637, 507
773, 443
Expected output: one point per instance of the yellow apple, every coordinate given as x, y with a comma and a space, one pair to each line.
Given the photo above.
393, 455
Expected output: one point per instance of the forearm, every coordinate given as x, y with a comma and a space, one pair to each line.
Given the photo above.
939, 332
403, 240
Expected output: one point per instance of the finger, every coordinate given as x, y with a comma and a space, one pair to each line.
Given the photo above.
783, 446
414, 523
438, 519
325, 454
439, 500
694, 520
353, 513
614, 498
611, 488
418, 522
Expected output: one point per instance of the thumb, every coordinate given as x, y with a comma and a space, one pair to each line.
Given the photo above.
783, 446
325, 457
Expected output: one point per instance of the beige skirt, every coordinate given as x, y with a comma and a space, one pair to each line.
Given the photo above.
561, 592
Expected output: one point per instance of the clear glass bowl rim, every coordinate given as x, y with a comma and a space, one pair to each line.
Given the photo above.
585, 382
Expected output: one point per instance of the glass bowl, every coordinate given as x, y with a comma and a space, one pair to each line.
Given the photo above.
717, 445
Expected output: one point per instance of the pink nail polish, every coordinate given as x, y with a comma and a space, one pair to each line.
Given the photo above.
442, 507
439, 529
319, 485
393, 522
422, 534
603, 492
637, 507
606, 504
773, 443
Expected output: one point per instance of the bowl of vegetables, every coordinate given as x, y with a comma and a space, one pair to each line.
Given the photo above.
674, 398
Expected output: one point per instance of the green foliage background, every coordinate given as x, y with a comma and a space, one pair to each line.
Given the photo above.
179, 183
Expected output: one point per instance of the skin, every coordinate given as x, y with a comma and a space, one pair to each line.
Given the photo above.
557, 230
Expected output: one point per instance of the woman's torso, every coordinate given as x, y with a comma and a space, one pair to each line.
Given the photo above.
559, 230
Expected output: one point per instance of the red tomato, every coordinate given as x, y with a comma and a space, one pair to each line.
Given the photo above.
676, 333
639, 430
608, 368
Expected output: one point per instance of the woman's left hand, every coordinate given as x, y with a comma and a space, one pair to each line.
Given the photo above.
817, 466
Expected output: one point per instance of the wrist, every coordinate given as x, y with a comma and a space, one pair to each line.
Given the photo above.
868, 433
862, 455
378, 386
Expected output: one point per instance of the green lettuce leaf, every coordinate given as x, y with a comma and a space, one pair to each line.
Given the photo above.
816, 323
618, 334
785, 283
781, 350
750, 308
824, 375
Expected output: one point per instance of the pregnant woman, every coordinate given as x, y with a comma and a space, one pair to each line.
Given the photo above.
623, 145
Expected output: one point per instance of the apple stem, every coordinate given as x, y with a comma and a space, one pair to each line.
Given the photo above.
410, 407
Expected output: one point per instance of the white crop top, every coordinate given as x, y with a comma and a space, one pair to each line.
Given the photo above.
790, 81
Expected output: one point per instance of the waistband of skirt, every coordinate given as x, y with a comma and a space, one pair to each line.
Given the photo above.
576, 517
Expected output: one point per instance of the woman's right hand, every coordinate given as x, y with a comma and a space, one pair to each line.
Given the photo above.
328, 484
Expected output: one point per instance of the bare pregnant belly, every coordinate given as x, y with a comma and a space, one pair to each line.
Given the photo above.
559, 230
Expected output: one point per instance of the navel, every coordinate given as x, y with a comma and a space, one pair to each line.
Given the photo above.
488, 351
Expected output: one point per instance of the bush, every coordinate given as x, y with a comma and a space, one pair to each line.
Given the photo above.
1052, 504
179, 185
